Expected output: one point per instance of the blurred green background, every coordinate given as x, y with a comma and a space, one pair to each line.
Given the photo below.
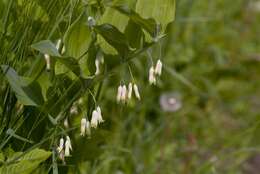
211, 62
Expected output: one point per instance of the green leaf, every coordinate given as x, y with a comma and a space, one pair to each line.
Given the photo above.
114, 37
28, 92
147, 24
46, 47
27, 163
77, 41
162, 11
71, 63
134, 35
92, 54
115, 18
77, 37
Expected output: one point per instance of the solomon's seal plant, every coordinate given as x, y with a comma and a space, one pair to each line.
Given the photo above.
72, 55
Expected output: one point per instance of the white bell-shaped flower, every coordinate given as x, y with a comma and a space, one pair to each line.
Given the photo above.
119, 93
83, 124
152, 79
124, 93
88, 128
94, 119
100, 119
68, 146
158, 68
61, 145
85, 127
130, 88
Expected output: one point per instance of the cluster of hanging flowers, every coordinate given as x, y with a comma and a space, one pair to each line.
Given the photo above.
124, 93
64, 149
155, 71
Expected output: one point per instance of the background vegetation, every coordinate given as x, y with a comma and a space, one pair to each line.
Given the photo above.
211, 66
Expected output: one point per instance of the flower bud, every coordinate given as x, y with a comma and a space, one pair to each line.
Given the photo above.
130, 87
152, 79
158, 68
137, 94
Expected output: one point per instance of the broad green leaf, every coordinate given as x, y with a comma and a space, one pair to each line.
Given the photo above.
134, 34
114, 37
115, 18
71, 63
46, 47
163, 11
78, 37
77, 41
27, 163
28, 92
148, 24
45, 82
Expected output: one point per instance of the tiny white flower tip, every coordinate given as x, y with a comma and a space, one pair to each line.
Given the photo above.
130, 87
158, 68
137, 94
91, 21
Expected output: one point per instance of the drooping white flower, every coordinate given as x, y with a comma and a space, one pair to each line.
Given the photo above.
119, 94
130, 88
152, 79
85, 127
100, 119
88, 128
83, 124
48, 61
91, 21
97, 63
124, 93
94, 119
137, 94
158, 68
68, 146
61, 145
